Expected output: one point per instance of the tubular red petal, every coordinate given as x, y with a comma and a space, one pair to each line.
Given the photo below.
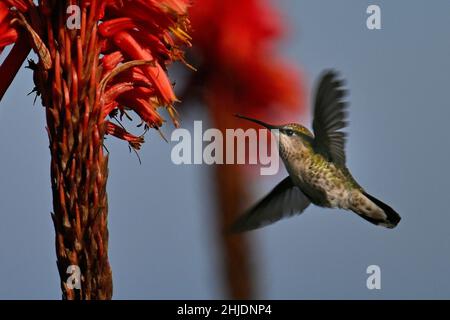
110, 96
142, 107
121, 133
21, 5
4, 11
134, 75
13, 62
152, 43
112, 93
108, 108
178, 6
7, 37
111, 27
157, 74
110, 61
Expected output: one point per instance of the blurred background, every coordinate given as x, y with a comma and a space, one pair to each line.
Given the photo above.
164, 220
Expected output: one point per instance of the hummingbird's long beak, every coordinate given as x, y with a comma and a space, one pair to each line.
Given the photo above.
268, 126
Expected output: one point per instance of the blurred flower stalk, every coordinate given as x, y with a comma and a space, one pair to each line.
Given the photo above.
240, 71
88, 79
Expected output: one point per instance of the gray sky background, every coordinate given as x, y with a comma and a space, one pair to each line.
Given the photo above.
162, 243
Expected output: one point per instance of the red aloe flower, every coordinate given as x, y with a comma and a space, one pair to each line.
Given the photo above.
114, 63
236, 48
239, 70
9, 35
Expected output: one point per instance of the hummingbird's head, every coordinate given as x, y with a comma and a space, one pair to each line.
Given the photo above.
292, 137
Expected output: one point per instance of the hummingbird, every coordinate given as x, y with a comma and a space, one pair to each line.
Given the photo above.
316, 167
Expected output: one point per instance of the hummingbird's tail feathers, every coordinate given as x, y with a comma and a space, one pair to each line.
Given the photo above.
389, 219
283, 201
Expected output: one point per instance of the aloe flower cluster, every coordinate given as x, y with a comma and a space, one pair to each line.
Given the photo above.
88, 78
240, 59
240, 70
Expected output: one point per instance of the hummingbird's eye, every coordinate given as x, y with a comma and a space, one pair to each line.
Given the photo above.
289, 132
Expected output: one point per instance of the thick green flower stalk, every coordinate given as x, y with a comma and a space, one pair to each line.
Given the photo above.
112, 63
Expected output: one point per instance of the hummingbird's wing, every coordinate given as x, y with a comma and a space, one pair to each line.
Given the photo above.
330, 117
285, 200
